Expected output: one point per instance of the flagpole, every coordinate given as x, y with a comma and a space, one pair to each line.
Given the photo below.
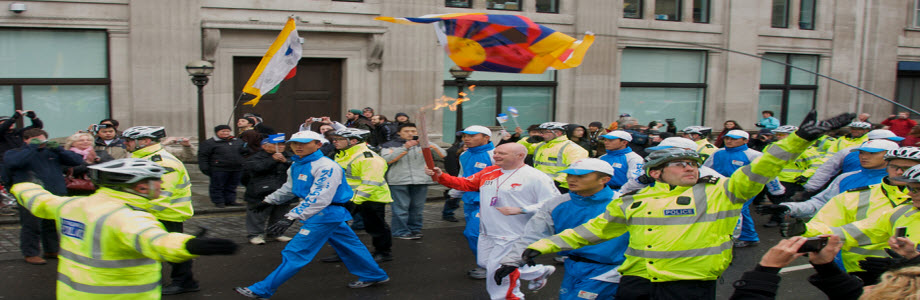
235, 105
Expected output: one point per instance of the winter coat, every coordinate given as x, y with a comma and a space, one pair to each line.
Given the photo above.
217, 154
262, 175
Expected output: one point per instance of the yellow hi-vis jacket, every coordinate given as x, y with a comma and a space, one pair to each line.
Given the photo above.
843, 143
365, 172
877, 230
805, 165
823, 143
109, 250
679, 232
872, 202
175, 202
530, 147
556, 155
705, 148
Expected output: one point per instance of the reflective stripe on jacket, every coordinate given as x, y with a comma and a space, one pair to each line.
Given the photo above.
556, 155
705, 149
364, 171
877, 230
679, 232
175, 202
108, 250
801, 166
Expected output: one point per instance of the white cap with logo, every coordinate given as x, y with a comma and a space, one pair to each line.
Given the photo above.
588, 165
307, 136
476, 129
618, 134
874, 146
738, 134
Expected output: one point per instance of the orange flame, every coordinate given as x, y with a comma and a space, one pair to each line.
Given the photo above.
450, 102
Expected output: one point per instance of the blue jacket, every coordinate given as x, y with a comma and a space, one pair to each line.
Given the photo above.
579, 210
769, 123
727, 160
851, 162
318, 181
472, 161
626, 165
29, 162
865, 177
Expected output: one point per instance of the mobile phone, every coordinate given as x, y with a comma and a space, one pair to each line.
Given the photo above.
900, 232
317, 119
813, 244
415, 138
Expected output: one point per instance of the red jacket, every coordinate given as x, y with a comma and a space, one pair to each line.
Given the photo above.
900, 127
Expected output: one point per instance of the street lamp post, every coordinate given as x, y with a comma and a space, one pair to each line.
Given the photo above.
200, 70
460, 77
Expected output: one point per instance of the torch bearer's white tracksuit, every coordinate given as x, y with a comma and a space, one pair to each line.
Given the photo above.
524, 187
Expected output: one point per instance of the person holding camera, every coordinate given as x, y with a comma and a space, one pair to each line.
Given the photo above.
407, 180
11, 138
107, 140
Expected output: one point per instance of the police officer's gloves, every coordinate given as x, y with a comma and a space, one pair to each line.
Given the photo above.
811, 129
210, 246
644, 179
502, 272
801, 180
261, 206
279, 227
795, 228
529, 255
772, 209
879, 265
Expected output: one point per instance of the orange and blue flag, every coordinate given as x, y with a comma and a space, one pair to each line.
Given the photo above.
503, 43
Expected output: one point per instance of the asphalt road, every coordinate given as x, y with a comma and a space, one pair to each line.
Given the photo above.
431, 268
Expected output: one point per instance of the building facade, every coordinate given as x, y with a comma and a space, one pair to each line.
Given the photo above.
78, 61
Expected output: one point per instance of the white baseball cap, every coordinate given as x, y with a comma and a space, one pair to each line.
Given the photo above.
884, 134
476, 129
588, 165
307, 136
618, 134
738, 134
672, 142
874, 146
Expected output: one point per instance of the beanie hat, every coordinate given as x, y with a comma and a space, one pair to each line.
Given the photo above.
402, 114
355, 111
222, 127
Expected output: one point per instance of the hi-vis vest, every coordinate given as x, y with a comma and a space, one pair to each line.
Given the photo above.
175, 202
872, 202
108, 249
556, 155
365, 172
801, 166
705, 148
679, 232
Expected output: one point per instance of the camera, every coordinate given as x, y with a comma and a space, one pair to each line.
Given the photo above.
670, 121
317, 119
415, 138
813, 244
900, 232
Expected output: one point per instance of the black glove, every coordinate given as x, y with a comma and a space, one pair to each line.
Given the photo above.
796, 228
30, 114
529, 255
210, 246
881, 265
261, 206
644, 179
502, 272
279, 227
772, 209
811, 129
801, 180
16, 115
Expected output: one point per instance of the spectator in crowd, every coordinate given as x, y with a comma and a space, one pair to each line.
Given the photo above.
221, 159
38, 160
82, 143
760, 140
452, 167
401, 118
107, 140
863, 117
768, 121
408, 182
259, 125
111, 122
913, 138
655, 126
579, 135
596, 129
367, 112
726, 127
11, 138
253, 142
354, 119
507, 137
263, 173
900, 124
384, 131
246, 123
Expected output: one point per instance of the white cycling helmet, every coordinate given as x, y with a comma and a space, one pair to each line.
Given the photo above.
352, 133
785, 129
701, 130
911, 175
860, 125
553, 126
911, 153
138, 132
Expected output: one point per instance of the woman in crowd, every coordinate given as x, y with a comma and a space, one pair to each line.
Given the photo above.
728, 125
82, 143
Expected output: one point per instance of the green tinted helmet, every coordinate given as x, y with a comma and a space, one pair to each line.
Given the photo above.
660, 157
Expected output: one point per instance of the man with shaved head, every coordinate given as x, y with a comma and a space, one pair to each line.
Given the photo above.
510, 193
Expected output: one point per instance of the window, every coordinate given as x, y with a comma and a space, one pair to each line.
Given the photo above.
788, 92
504, 4
632, 9
701, 11
807, 15
60, 74
667, 10
908, 89
917, 14
548, 6
459, 3
657, 84
533, 95
780, 17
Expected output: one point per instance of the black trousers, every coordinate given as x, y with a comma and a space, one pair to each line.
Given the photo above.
181, 273
638, 288
37, 233
375, 224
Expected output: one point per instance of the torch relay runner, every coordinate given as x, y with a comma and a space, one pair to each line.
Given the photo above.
510, 193
680, 228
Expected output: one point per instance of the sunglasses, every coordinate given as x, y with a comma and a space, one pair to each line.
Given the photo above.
902, 168
683, 164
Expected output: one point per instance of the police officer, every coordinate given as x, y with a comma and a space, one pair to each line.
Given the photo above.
317, 180
671, 142
176, 204
110, 245
856, 136
700, 135
365, 171
680, 228
556, 153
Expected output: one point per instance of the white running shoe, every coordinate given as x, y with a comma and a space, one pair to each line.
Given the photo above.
282, 238
258, 240
540, 282
477, 273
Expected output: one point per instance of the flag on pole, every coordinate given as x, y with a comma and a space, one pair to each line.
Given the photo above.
502, 118
513, 111
278, 64
503, 43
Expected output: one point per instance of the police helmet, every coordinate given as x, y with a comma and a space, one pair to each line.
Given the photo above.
660, 157
860, 125
911, 153
122, 172
785, 129
911, 175
352, 133
701, 130
553, 126
139, 132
